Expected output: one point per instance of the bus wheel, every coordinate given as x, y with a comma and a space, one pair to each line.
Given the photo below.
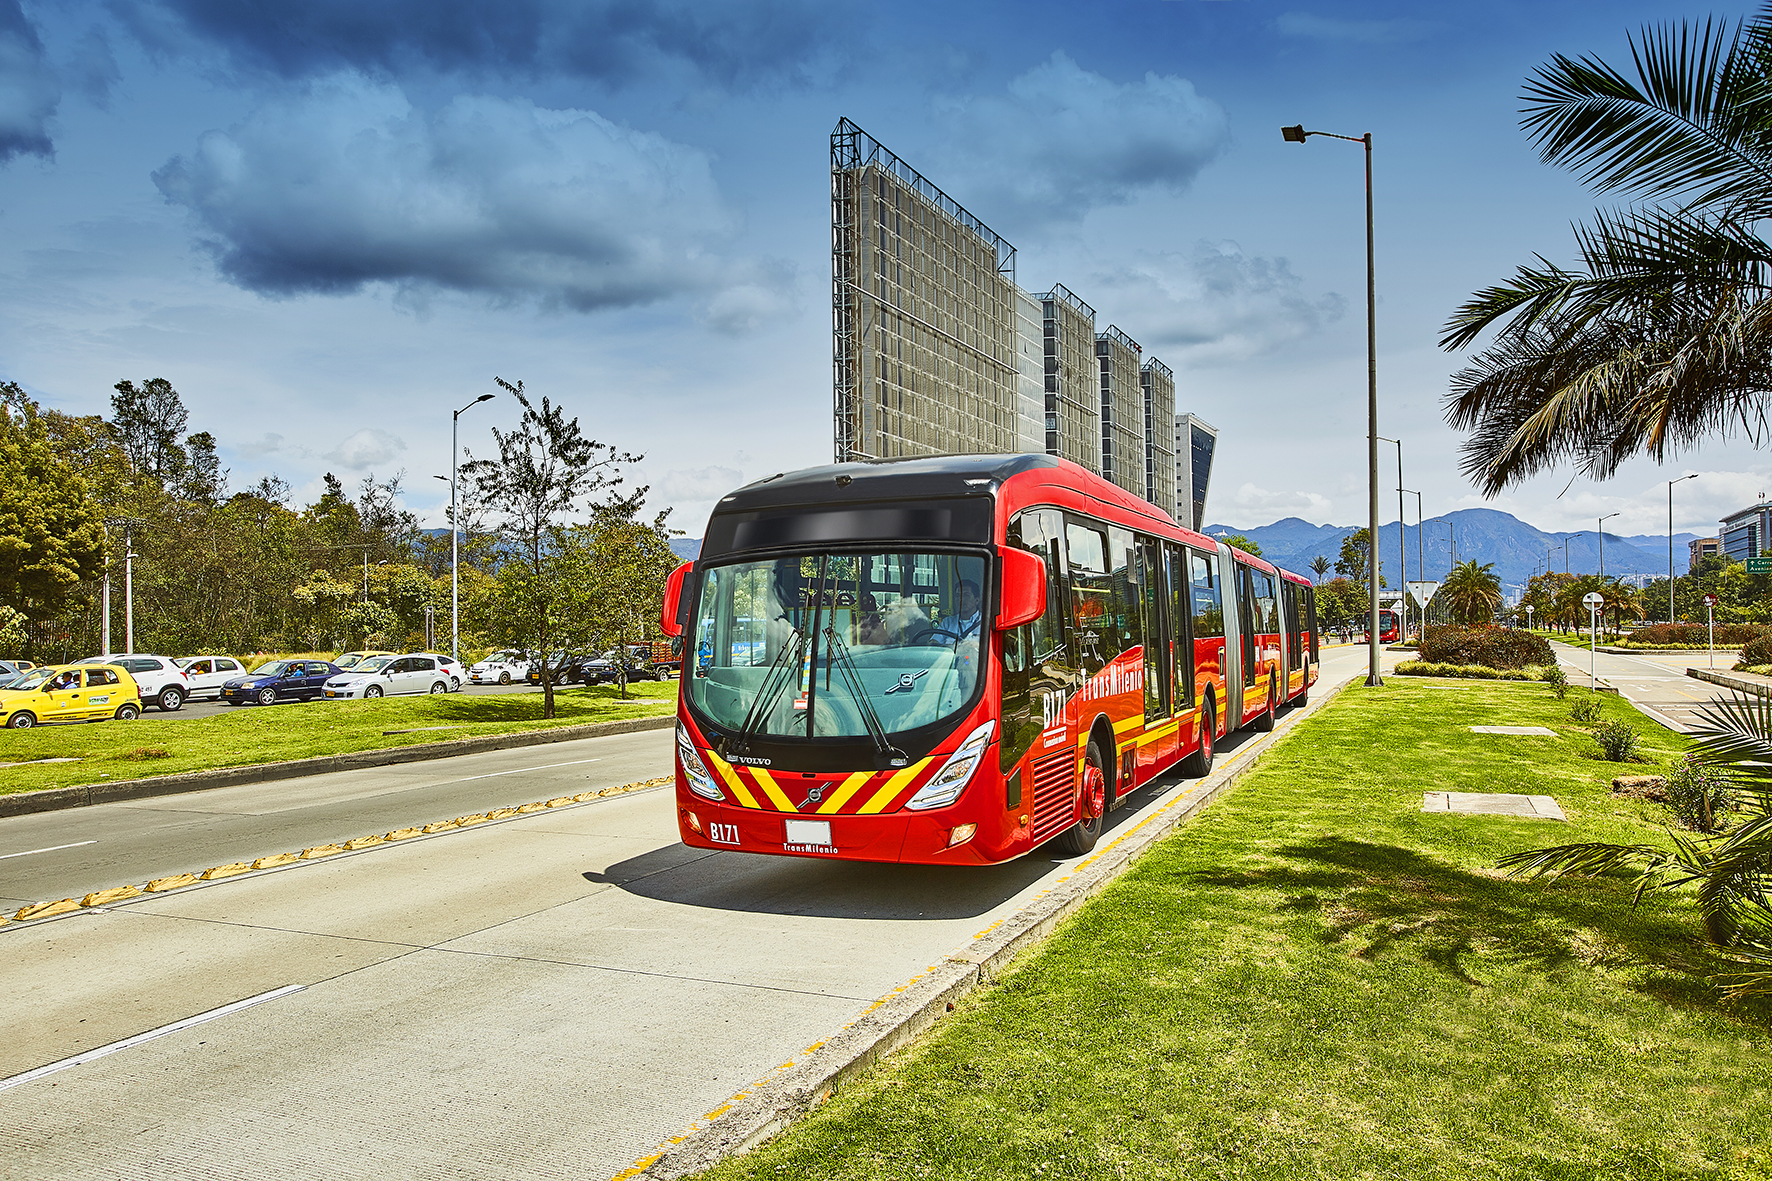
1266, 721
1081, 836
1199, 764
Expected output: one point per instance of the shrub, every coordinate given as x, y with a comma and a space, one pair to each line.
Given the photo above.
1558, 680
1699, 794
1495, 647
1696, 635
1476, 672
1618, 741
1585, 711
1757, 650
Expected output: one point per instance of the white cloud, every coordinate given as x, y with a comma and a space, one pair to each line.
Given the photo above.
1217, 304
1063, 141
1254, 503
346, 184
366, 449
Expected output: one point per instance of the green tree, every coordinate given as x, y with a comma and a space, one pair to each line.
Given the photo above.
1238, 541
1342, 603
546, 470
1472, 592
51, 531
1356, 550
616, 567
148, 420
1657, 338
1319, 567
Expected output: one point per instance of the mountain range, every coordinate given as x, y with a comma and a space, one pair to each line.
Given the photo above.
1484, 535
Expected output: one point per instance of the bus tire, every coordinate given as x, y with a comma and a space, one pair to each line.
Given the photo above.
1265, 722
1199, 764
1081, 836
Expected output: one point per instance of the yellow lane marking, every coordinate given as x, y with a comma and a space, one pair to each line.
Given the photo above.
776, 795
850, 786
893, 786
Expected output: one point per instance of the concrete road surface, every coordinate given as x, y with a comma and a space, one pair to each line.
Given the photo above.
1656, 681
549, 996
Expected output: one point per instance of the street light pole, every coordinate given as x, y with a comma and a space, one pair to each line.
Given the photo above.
455, 531
1420, 565
1602, 532
1670, 543
1402, 553
1298, 135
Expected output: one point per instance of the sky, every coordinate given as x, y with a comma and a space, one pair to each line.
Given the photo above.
331, 224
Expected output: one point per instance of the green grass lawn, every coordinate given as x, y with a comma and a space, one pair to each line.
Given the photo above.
270, 734
1315, 979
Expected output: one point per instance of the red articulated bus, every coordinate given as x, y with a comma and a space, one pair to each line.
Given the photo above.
955, 659
1390, 627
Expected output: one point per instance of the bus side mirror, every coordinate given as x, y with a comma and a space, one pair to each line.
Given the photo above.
668, 622
1024, 589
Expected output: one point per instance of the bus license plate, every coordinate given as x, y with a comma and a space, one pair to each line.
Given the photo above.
807, 832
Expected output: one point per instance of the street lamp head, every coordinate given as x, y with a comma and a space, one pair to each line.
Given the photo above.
485, 398
1294, 135
445, 479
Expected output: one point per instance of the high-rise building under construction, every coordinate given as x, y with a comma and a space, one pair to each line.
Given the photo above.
937, 350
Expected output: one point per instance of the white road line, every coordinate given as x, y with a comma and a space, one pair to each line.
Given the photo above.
51, 849
31, 1076
521, 770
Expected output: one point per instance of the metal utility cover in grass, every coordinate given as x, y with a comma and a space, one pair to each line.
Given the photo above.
1492, 804
1530, 731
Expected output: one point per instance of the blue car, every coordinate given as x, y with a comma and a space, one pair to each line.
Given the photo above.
302, 680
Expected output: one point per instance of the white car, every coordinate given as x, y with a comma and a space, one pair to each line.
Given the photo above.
159, 678
500, 668
204, 674
385, 676
448, 664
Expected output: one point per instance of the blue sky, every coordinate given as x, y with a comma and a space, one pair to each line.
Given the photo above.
329, 224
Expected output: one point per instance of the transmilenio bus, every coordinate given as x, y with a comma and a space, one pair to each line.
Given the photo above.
953, 660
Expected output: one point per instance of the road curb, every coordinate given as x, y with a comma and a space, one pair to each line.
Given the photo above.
58, 798
1729, 682
755, 1115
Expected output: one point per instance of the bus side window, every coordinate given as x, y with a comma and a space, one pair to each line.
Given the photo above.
1207, 600
1128, 629
1040, 661
1091, 590
1310, 616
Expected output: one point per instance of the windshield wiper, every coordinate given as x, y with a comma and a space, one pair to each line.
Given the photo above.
886, 756
769, 692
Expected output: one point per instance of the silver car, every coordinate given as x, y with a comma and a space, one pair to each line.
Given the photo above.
385, 676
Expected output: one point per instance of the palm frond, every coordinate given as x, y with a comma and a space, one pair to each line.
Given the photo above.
1692, 123
1736, 732
1589, 857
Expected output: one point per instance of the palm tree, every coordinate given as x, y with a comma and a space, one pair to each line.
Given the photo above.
1472, 592
1615, 599
1730, 869
1661, 335
1320, 567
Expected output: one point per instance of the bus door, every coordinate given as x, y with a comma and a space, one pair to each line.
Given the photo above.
1158, 747
1248, 611
1236, 673
1206, 632
1290, 637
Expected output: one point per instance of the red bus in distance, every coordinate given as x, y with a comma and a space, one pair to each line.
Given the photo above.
956, 659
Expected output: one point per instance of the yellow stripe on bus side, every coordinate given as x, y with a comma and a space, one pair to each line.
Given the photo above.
725, 771
767, 782
841, 796
893, 786
1129, 723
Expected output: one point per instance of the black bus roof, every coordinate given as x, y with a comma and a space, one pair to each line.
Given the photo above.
919, 477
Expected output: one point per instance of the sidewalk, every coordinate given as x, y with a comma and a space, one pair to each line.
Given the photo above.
1741, 682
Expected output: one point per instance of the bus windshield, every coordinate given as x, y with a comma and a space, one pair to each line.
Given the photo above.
838, 645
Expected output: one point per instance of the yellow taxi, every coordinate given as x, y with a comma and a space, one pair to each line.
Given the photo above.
70, 693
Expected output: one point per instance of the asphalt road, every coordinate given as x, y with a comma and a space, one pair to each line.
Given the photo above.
547, 996
1656, 681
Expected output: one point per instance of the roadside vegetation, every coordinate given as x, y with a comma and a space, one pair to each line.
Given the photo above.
271, 734
1318, 979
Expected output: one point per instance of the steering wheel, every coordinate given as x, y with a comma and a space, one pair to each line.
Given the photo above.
927, 638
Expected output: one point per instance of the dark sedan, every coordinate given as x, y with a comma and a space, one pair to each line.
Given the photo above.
300, 680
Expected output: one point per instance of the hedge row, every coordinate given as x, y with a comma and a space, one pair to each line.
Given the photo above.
1475, 672
1489, 645
1696, 635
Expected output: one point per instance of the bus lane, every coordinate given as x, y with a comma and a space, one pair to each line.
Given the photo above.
548, 996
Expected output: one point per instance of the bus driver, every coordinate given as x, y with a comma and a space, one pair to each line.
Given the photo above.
963, 624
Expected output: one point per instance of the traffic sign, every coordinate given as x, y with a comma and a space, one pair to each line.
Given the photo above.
1760, 565
1421, 592
1592, 599
1710, 600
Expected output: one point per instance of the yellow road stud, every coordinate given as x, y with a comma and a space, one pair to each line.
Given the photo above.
500, 813
560, 801
114, 894
535, 807
224, 871
476, 818
44, 910
582, 796
400, 834
320, 851
440, 826
365, 842
275, 859
171, 883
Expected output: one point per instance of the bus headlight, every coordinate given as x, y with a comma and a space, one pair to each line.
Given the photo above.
956, 773
695, 772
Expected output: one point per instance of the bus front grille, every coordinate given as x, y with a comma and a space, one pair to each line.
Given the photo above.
1054, 780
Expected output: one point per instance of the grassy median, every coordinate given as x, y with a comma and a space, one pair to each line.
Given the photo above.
1316, 979
270, 734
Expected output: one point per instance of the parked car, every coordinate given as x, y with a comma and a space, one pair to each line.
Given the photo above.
70, 693
159, 679
350, 660
450, 665
302, 680
604, 670
205, 675
381, 676
500, 668
563, 669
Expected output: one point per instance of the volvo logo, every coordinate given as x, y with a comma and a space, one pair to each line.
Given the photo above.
748, 761
813, 796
